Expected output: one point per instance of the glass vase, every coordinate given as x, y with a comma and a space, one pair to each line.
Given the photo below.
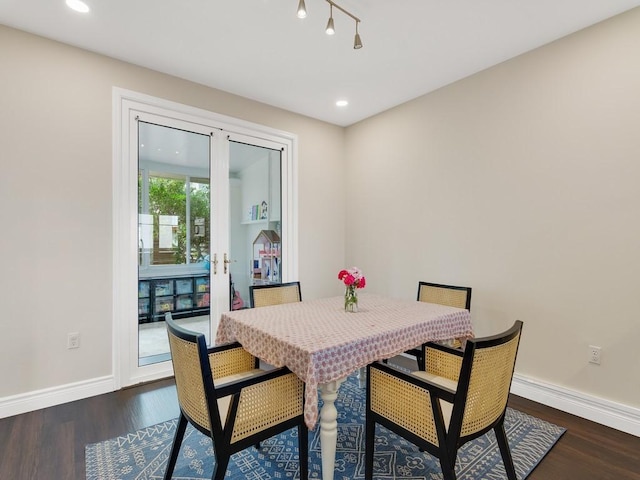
351, 299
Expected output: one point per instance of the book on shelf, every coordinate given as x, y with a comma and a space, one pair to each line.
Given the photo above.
256, 212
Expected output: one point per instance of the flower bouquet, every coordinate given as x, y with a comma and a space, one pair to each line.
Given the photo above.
353, 279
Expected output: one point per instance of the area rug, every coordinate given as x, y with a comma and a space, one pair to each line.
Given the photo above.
142, 455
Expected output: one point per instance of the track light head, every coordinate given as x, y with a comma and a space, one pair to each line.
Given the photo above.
330, 30
357, 41
302, 9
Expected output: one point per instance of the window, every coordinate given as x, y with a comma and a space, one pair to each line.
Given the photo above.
173, 225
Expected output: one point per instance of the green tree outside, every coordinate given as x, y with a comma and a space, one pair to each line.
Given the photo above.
168, 196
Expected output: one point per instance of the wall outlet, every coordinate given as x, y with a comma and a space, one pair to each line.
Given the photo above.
73, 340
595, 354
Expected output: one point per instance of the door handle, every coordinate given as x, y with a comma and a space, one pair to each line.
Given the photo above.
215, 263
226, 263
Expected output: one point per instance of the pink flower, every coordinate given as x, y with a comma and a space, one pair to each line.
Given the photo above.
352, 277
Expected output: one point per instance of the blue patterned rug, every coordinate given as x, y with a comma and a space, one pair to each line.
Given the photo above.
143, 454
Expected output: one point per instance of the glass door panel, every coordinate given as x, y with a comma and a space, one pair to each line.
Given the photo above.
255, 219
174, 234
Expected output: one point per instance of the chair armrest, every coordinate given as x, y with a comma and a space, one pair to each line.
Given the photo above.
442, 360
444, 348
229, 359
223, 347
434, 389
260, 403
237, 385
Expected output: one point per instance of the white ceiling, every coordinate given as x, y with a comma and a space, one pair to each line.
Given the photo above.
259, 48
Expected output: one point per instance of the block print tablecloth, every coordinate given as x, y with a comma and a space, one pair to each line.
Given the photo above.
321, 343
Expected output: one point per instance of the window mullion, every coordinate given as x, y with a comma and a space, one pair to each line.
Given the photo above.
187, 187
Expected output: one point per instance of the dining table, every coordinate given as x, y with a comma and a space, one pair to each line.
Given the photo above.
323, 344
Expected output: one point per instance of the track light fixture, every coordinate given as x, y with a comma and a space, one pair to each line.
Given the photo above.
330, 30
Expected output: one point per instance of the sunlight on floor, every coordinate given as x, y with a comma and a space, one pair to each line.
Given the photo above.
153, 336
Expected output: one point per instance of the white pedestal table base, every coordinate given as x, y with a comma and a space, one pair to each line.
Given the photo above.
329, 427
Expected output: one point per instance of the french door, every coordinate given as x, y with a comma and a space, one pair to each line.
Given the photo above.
175, 238
204, 207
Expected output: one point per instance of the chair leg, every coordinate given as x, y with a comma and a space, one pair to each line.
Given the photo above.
175, 448
505, 451
448, 462
220, 468
421, 362
303, 451
448, 470
370, 433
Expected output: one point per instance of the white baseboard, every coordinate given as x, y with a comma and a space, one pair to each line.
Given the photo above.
49, 397
608, 413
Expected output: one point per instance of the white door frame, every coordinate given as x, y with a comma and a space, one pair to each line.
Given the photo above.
127, 106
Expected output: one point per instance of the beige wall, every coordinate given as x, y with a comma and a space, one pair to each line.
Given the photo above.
55, 192
521, 182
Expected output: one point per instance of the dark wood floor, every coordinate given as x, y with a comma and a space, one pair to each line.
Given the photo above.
49, 444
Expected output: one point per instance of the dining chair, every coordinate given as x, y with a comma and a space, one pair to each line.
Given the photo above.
224, 395
276, 294
439, 412
450, 295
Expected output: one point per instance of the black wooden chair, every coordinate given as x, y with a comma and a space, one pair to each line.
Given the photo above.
276, 294
461, 396
450, 295
223, 394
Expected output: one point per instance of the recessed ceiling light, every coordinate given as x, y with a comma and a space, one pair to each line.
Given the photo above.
78, 6
342, 103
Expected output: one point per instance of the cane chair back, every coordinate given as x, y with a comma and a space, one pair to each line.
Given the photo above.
190, 381
439, 414
265, 295
449, 295
490, 378
223, 394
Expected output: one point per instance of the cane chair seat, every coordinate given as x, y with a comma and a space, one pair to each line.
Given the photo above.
276, 294
224, 395
440, 413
